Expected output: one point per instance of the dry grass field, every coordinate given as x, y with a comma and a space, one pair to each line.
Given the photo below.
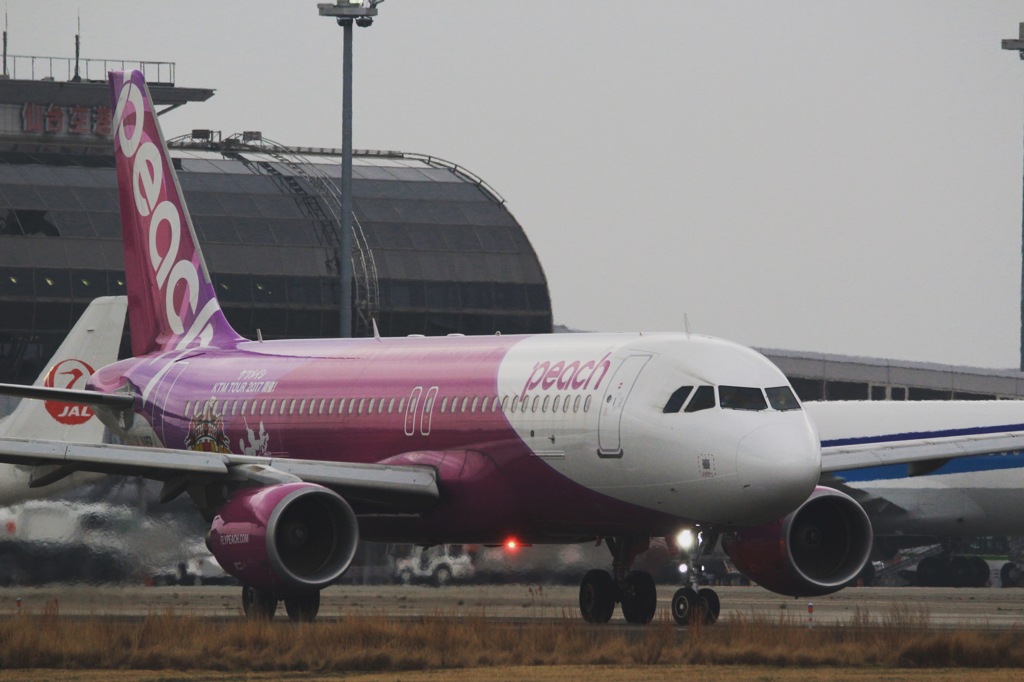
897, 644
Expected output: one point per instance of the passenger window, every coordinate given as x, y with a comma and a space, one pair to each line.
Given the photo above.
741, 398
515, 404
544, 405
273, 405
444, 405
351, 405
401, 405
703, 399
504, 403
782, 398
676, 400
188, 405
476, 400
565, 404
533, 405
330, 408
302, 406
465, 402
380, 406
263, 407
341, 405
586, 403
323, 403
391, 406
576, 404
554, 403
362, 404
369, 408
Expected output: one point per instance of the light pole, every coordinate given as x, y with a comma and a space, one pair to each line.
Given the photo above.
1017, 45
362, 13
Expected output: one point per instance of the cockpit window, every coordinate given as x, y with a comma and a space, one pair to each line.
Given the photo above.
676, 400
782, 398
703, 399
741, 398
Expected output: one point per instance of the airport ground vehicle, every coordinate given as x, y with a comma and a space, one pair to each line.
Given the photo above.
439, 566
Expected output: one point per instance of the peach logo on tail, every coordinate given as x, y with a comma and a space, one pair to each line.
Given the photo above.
68, 374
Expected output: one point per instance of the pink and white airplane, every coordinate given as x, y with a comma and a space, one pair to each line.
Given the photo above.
294, 450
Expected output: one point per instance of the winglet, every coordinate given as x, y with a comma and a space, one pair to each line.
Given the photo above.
171, 299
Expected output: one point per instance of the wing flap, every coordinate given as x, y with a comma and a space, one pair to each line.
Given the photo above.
410, 488
155, 463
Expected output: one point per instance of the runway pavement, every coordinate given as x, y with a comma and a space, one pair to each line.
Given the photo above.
985, 608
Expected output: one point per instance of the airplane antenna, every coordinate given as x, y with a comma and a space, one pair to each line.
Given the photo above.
376, 332
686, 323
259, 335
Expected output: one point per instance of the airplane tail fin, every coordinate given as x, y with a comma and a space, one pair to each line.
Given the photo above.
92, 343
171, 300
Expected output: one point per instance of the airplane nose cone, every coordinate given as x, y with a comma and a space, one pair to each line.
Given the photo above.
779, 466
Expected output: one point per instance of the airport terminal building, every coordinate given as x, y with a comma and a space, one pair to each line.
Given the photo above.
436, 251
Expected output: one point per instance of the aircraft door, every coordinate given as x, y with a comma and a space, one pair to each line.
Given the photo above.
410, 410
160, 398
609, 420
427, 418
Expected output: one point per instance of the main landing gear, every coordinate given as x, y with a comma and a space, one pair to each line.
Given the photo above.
259, 604
634, 590
600, 591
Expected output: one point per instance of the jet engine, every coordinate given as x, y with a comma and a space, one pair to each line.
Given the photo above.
815, 550
286, 537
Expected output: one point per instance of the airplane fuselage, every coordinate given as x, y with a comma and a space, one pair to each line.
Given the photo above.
545, 438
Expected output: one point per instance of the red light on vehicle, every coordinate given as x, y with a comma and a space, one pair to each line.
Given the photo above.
511, 544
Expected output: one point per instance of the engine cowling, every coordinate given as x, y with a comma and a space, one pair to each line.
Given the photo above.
815, 550
286, 537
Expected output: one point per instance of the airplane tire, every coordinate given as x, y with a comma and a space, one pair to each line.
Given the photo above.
712, 605
258, 604
684, 605
302, 608
1009, 575
639, 598
597, 596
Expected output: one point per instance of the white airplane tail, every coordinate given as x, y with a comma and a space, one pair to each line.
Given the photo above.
92, 343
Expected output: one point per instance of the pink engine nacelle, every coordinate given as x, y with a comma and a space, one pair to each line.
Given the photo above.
817, 549
286, 537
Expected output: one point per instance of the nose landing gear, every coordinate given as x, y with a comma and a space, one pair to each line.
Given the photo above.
691, 605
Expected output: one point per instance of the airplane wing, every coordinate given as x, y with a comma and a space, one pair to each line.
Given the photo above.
921, 435
384, 487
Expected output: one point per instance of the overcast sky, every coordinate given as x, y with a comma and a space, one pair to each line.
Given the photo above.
841, 177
